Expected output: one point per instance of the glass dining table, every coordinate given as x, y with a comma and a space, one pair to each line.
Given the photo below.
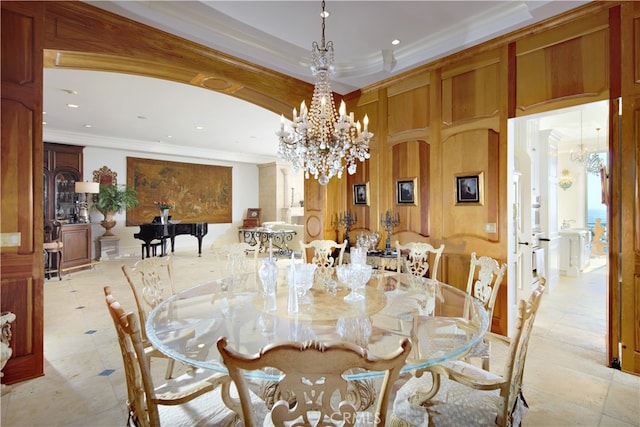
442, 321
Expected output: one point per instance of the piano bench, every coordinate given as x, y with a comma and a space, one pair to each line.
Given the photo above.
154, 246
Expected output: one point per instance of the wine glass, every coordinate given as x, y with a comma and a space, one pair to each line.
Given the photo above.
268, 274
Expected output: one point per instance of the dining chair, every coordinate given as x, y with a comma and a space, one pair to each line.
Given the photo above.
151, 281
484, 286
53, 249
197, 397
323, 251
312, 389
235, 258
413, 257
458, 393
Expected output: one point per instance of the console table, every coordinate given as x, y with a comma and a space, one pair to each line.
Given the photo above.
378, 260
266, 237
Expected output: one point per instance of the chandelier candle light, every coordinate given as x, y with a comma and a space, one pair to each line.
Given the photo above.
322, 141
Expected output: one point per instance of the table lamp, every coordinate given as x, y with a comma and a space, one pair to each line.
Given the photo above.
84, 188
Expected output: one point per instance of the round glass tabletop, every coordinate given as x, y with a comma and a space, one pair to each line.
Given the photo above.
442, 321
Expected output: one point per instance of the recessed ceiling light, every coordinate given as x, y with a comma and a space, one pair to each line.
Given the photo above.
44, 112
199, 127
395, 42
88, 125
44, 123
73, 106
169, 136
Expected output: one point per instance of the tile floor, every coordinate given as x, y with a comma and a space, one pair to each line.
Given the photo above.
567, 382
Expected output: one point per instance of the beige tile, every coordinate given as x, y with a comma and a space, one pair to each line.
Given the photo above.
546, 410
608, 421
623, 403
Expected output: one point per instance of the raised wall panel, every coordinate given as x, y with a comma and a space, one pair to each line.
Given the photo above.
411, 160
564, 65
471, 90
408, 110
470, 153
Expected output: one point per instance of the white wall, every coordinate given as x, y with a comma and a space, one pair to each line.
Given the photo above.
572, 202
244, 195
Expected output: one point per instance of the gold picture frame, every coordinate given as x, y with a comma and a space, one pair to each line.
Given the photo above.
469, 189
406, 191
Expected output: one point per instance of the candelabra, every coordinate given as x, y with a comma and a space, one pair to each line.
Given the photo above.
347, 220
389, 222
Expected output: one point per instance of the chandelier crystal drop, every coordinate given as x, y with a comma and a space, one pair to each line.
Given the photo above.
594, 163
322, 141
580, 155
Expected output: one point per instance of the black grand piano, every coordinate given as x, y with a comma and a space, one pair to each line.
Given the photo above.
156, 235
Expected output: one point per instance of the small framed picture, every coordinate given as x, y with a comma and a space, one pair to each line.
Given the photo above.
361, 194
406, 191
254, 213
469, 188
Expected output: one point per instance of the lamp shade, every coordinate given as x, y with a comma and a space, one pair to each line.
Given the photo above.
87, 187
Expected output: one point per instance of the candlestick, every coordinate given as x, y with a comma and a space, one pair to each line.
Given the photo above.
347, 220
389, 222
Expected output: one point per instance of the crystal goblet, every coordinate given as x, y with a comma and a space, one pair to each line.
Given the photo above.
303, 275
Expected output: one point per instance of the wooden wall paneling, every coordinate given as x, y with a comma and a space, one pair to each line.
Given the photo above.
314, 199
21, 182
563, 66
463, 153
408, 110
470, 89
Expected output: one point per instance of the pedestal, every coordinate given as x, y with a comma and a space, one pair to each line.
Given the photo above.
108, 247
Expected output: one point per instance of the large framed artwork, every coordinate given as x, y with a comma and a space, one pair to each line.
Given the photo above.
199, 193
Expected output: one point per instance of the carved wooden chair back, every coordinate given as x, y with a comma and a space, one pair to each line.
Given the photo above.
151, 281
485, 285
323, 253
187, 400
236, 258
138, 377
53, 245
413, 258
458, 393
519, 344
312, 376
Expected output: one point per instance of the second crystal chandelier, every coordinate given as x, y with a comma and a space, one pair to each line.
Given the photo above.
322, 141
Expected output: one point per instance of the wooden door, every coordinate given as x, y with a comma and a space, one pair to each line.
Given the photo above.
21, 183
624, 176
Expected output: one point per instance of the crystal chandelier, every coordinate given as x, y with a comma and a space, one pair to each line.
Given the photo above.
322, 141
579, 156
594, 162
